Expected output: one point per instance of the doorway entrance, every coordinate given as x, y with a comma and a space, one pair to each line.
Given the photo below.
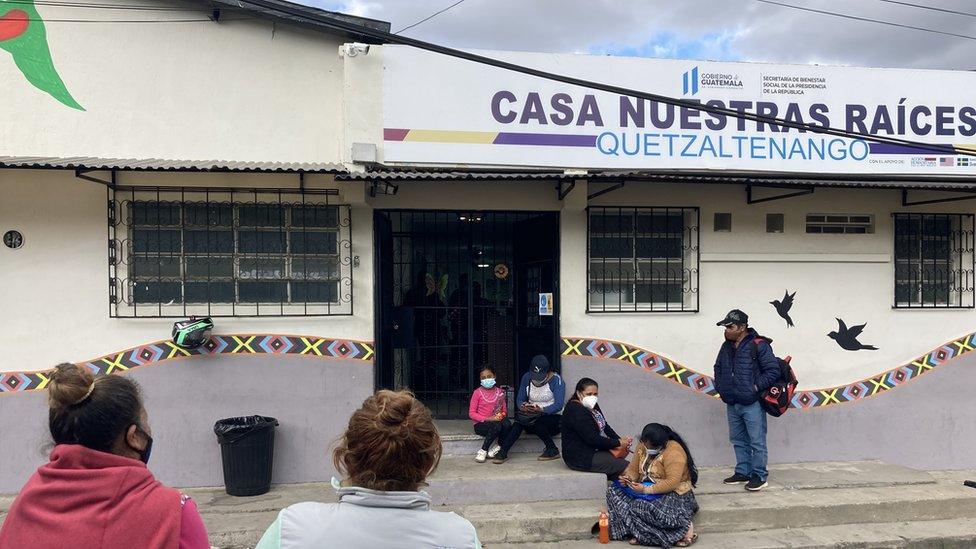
458, 291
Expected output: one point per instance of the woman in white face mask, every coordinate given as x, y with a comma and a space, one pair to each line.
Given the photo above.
589, 443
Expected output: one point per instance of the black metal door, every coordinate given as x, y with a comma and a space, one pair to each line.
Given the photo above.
535, 260
446, 304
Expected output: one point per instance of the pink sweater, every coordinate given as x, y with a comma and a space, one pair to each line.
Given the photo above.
486, 403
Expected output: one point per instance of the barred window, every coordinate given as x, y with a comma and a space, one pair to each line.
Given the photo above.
182, 252
840, 224
934, 260
642, 259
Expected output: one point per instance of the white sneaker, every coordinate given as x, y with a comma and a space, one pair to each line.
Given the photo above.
480, 458
494, 451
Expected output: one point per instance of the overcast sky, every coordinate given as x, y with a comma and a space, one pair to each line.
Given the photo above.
728, 30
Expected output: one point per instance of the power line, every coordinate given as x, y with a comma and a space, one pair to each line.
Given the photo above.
83, 5
118, 20
429, 17
932, 8
868, 20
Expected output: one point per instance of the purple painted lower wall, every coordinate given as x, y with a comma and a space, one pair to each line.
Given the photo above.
311, 397
929, 423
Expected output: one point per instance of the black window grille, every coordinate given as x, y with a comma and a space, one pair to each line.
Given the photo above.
179, 251
934, 260
642, 259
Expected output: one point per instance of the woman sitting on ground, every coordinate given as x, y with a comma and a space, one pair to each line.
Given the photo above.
653, 504
587, 437
96, 490
488, 411
539, 399
386, 454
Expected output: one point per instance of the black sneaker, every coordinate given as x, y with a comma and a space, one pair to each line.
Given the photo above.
500, 458
549, 454
756, 484
737, 479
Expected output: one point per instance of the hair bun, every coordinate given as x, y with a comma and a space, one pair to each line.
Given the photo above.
69, 385
395, 409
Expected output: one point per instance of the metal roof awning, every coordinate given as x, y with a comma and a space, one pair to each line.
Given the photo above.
778, 180
450, 176
83, 163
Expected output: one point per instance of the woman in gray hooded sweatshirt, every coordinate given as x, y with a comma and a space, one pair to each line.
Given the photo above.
385, 455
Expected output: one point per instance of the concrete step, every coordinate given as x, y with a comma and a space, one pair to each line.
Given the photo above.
460, 480
458, 439
812, 498
468, 445
730, 513
799, 496
932, 534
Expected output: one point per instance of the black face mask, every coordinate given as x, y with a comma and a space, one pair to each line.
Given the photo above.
144, 453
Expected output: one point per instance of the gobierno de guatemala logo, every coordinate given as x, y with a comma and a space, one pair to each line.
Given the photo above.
693, 80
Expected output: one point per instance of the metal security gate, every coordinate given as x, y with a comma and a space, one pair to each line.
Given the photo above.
457, 292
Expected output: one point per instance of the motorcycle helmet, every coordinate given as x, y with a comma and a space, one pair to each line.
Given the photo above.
192, 333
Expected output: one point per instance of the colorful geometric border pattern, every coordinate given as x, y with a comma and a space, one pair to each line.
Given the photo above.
162, 351
603, 349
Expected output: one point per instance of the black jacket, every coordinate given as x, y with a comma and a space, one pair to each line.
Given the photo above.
739, 377
581, 436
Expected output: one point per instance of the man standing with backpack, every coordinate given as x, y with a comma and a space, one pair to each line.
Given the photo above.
745, 367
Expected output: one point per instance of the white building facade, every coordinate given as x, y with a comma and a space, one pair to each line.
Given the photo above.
386, 217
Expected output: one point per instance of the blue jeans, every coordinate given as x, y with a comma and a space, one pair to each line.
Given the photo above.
747, 431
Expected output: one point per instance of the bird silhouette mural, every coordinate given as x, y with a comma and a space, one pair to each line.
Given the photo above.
783, 307
22, 34
847, 337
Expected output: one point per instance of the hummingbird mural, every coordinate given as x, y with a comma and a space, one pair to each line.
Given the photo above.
22, 34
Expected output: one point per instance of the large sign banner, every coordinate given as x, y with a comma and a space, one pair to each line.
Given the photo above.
439, 110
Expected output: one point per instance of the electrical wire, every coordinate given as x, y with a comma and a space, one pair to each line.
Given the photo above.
429, 17
84, 5
931, 8
868, 20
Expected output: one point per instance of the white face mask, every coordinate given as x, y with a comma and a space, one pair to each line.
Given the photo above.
589, 401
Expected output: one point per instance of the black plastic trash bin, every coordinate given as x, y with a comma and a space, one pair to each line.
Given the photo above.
247, 452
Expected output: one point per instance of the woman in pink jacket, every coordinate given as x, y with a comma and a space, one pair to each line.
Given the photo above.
489, 414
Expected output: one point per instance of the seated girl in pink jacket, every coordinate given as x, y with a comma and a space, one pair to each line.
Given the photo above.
489, 414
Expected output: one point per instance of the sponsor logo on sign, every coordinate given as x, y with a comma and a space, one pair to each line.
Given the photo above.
693, 80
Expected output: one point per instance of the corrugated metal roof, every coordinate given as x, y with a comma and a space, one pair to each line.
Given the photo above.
164, 165
895, 182
448, 176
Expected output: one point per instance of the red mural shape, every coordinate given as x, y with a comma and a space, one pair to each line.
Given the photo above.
13, 24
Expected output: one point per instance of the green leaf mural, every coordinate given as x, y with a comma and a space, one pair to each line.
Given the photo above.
22, 34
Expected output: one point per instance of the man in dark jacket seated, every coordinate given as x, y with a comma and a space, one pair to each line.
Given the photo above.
745, 366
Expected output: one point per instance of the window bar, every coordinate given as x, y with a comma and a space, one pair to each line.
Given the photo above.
956, 245
159, 248
112, 267
916, 260
182, 259
697, 229
206, 206
348, 212
130, 254
289, 255
235, 226
589, 260
257, 254
304, 218
927, 280
634, 273
667, 256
